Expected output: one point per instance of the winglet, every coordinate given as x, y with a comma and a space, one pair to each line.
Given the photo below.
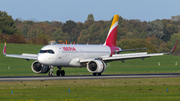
173, 49
4, 49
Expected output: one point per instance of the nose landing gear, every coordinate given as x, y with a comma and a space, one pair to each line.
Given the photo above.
51, 71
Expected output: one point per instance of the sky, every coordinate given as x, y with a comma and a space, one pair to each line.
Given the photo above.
78, 10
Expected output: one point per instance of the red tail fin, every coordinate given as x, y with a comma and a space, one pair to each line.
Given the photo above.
112, 35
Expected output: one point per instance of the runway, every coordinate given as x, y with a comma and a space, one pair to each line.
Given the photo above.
103, 76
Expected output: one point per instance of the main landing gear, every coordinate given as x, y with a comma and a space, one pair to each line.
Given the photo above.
58, 72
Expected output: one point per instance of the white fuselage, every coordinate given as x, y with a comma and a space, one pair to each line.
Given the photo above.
69, 55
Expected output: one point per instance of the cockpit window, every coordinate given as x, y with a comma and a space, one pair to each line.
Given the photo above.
47, 51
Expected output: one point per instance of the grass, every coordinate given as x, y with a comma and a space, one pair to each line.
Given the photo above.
136, 89
21, 67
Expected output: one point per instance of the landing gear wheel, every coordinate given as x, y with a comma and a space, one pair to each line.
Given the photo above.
99, 74
50, 74
94, 74
58, 73
62, 73
51, 71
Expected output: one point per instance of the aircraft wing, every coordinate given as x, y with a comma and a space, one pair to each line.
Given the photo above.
123, 57
23, 56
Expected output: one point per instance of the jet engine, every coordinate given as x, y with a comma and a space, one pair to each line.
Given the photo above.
96, 66
39, 68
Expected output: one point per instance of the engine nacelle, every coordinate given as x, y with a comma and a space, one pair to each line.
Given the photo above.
39, 68
96, 66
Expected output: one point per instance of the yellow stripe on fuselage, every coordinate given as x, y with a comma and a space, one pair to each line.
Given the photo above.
116, 18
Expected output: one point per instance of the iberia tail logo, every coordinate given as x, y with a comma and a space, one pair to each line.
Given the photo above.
112, 35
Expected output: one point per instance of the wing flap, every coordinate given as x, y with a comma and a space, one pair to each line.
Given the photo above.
29, 55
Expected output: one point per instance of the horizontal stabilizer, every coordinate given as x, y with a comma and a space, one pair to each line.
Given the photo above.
131, 50
130, 54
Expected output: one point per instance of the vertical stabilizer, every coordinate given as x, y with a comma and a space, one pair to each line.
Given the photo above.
112, 35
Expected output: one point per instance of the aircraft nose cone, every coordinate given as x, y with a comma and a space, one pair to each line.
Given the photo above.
45, 59
41, 59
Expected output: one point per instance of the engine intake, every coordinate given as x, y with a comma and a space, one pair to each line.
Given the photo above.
39, 68
96, 66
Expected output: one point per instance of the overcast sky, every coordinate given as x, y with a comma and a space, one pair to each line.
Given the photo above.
78, 10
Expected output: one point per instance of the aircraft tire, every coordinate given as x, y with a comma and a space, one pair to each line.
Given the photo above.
58, 73
99, 74
62, 73
94, 74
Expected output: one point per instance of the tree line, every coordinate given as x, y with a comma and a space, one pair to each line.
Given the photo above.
160, 34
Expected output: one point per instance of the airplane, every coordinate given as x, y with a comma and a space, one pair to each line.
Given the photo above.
94, 57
